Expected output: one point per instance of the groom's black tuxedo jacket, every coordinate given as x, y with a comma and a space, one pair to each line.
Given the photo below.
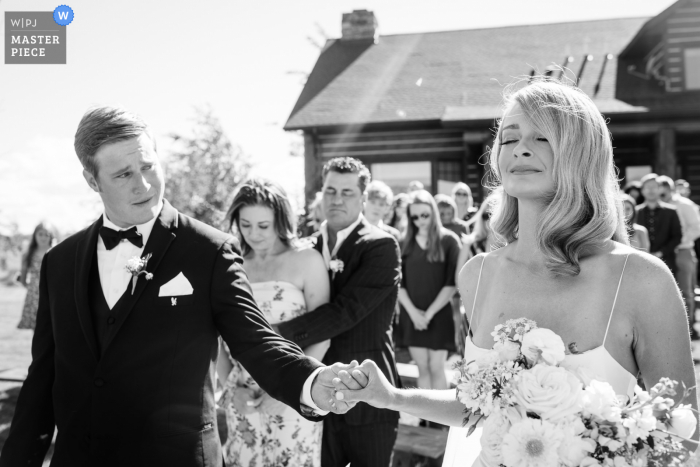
133, 385
358, 319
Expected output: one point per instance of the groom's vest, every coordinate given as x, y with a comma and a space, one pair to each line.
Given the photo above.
103, 319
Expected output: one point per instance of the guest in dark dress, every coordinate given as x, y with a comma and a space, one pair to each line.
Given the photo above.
429, 259
378, 206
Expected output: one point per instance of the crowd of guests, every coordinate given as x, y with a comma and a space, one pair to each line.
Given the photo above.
663, 221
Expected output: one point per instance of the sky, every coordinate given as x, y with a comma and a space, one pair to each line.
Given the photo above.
163, 59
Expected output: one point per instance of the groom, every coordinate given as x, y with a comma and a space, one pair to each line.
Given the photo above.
124, 362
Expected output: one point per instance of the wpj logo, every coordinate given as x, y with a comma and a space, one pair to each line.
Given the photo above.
36, 37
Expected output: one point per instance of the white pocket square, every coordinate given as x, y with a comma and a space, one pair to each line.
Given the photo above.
179, 285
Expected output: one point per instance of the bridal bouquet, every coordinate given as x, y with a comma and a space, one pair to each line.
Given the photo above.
540, 414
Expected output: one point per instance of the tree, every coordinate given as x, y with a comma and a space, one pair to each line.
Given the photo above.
204, 170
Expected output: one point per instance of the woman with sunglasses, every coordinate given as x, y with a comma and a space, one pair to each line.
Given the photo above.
428, 262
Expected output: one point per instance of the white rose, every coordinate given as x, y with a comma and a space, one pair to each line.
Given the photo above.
589, 462
599, 399
683, 421
495, 428
543, 345
551, 392
507, 350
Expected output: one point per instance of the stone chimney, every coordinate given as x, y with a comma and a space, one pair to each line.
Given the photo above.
360, 25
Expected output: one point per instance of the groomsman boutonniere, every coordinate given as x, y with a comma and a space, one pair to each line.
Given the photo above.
137, 266
336, 266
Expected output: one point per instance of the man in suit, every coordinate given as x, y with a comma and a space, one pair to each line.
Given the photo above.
124, 362
365, 273
662, 222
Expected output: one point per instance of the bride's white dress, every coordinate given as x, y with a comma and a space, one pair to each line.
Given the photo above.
463, 452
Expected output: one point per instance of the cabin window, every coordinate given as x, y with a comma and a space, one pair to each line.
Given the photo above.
399, 174
692, 69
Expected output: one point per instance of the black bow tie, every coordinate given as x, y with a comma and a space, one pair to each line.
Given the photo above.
113, 237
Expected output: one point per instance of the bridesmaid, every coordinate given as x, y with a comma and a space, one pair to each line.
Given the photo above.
287, 281
43, 239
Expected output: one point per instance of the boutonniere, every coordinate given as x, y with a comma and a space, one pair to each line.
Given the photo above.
336, 265
137, 266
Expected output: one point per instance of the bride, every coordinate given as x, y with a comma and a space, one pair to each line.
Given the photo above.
566, 264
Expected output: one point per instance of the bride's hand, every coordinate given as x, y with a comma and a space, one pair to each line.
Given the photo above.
376, 390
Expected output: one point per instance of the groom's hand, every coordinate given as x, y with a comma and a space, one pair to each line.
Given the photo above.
323, 388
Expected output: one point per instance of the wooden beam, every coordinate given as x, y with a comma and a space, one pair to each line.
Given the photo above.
313, 166
665, 162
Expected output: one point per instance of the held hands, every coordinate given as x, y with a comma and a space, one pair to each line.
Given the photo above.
366, 383
323, 389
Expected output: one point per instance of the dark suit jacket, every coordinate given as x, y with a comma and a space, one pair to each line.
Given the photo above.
358, 319
148, 398
665, 234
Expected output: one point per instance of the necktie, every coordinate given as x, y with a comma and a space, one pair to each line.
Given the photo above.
113, 237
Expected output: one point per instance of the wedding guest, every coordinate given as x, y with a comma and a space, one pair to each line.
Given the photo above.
363, 262
287, 281
378, 205
638, 235
43, 238
662, 222
464, 200
414, 185
398, 218
686, 261
448, 216
428, 263
316, 216
634, 189
683, 188
566, 264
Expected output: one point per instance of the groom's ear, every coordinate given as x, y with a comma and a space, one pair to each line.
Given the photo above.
91, 181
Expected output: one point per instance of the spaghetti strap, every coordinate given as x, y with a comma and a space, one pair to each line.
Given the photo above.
476, 293
615, 301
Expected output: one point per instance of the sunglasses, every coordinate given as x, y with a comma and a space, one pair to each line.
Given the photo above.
415, 217
461, 193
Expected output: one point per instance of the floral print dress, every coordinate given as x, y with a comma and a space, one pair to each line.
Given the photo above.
260, 439
31, 301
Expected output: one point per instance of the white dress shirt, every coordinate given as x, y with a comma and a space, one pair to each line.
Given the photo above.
690, 220
340, 237
111, 264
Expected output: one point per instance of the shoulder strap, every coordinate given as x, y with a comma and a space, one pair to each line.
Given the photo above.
476, 293
615, 301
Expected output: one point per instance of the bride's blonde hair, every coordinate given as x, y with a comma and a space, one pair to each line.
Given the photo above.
585, 207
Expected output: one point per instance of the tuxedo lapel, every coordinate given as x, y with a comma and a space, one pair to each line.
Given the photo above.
86, 251
159, 241
345, 249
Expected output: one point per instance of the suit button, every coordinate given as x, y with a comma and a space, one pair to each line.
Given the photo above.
111, 320
99, 382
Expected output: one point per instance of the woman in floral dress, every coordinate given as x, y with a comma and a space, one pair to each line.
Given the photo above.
42, 239
287, 281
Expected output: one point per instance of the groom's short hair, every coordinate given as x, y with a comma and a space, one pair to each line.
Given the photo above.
345, 165
105, 125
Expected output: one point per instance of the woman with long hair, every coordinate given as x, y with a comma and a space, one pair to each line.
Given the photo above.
287, 281
428, 262
638, 234
398, 219
43, 238
566, 264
